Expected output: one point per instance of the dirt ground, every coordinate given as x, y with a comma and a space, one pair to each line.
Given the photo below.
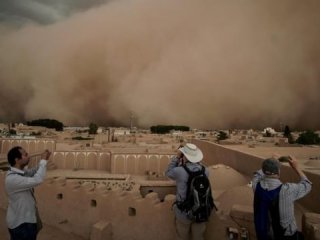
47, 233
301, 153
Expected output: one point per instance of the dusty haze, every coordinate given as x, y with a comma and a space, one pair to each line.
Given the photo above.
205, 64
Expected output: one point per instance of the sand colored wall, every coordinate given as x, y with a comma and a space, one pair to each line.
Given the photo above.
311, 226
139, 164
117, 163
75, 208
91, 160
247, 164
215, 154
31, 145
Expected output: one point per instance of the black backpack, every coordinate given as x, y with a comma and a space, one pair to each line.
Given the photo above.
199, 201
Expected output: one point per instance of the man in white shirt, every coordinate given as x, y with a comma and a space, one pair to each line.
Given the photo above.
22, 213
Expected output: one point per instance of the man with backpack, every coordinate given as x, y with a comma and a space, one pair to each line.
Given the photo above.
274, 201
194, 201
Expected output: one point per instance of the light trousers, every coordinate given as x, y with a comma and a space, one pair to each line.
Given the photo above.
186, 230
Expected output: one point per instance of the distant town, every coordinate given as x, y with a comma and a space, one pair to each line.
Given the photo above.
115, 176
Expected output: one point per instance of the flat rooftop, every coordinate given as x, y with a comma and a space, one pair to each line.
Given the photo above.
47, 233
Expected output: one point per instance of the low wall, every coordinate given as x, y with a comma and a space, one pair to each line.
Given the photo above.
89, 160
116, 163
139, 164
30, 145
247, 164
113, 162
76, 208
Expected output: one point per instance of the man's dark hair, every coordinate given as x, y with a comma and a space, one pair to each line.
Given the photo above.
13, 154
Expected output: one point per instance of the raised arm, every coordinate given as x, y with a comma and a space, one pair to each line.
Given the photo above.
171, 167
32, 171
32, 178
302, 188
17, 183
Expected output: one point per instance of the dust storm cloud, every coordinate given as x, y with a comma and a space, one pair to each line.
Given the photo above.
205, 64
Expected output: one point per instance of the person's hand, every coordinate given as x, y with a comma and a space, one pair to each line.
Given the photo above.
179, 154
295, 166
180, 157
293, 162
46, 154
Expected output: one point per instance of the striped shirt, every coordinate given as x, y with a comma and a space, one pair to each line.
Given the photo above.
289, 193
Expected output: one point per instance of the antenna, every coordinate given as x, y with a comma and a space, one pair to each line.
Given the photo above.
131, 121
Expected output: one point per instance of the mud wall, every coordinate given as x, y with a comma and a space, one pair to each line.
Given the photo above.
247, 164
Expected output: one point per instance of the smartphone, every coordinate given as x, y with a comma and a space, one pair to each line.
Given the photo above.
284, 159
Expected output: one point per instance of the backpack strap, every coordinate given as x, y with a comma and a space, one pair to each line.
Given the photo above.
203, 169
182, 205
187, 169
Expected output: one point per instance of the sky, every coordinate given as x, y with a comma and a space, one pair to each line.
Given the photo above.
207, 64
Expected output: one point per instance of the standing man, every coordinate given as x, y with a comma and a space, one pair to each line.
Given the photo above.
22, 214
188, 156
274, 198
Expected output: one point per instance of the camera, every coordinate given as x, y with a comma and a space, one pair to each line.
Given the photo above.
284, 159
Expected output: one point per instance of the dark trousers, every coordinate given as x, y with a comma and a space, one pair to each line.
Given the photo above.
297, 236
25, 231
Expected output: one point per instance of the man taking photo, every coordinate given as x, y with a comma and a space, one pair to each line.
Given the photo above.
276, 199
22, 215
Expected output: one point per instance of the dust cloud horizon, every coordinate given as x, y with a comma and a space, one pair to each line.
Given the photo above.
205, 64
